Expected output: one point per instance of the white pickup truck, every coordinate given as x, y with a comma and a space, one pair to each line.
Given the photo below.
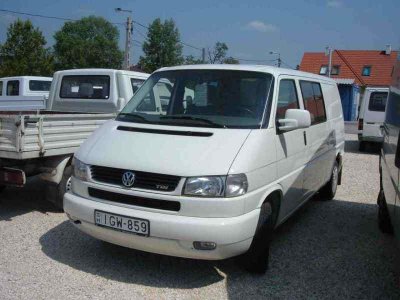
24, 92
43, 142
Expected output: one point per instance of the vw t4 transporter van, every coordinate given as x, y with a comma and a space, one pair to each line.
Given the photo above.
206, 161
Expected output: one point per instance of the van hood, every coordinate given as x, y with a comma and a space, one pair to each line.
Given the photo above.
172, 150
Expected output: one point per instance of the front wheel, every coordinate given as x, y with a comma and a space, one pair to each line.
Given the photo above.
256, 259
55, 193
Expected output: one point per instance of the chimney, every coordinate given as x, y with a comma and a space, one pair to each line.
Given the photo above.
388, 49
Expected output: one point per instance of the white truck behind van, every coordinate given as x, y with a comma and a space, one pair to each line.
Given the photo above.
43, 142
233, 152
372, 116
21, 93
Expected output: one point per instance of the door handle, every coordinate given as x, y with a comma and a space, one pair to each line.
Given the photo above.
305, 138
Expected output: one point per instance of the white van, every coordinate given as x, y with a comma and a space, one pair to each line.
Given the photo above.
372, 115
24, 92
235, 151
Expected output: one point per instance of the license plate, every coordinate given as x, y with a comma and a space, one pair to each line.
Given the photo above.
122, 223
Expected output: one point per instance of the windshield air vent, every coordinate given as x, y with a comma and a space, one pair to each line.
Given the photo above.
170, 132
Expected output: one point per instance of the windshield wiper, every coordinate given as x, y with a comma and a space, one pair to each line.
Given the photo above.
207, 121
134, 116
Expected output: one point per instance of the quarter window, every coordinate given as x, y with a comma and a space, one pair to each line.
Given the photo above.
287, 98
313, 101
85, 87
13, 88
377, 101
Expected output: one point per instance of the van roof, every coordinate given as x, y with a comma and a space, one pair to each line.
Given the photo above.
27, 78
254, 68
104, 71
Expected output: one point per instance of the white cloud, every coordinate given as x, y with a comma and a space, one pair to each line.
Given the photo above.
261, 26
334, 4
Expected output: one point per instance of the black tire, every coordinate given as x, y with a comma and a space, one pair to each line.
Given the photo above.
256, 259
384, 223
328, 191
361, 146
55, 193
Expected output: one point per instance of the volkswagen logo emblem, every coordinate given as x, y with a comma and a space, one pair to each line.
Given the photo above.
128, 179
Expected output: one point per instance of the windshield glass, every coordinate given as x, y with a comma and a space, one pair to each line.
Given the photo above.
202, 98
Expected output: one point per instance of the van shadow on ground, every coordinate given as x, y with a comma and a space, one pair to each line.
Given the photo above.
352, 146
327, 250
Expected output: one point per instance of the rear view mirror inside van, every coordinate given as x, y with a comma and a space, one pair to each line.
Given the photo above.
295, 119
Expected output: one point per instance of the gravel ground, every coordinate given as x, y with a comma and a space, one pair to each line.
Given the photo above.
327, 250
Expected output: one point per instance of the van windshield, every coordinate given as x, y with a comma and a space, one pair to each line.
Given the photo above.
202, 98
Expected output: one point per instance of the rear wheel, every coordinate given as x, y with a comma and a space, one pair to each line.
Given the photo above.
328, 191
256, 259
55, 193
385, 225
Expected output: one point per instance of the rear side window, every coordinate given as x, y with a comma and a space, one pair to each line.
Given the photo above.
313, 101
85, 87
39, 85
377, 101
1, 88
393, 109
287, 97
136, 84
13, 88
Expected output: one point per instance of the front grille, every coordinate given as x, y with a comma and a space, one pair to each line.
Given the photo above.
134, 200
143, 180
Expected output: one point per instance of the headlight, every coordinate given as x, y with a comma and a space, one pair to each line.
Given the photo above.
81, 170
216, 186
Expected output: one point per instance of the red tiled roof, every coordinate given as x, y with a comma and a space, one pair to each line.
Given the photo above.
351, 63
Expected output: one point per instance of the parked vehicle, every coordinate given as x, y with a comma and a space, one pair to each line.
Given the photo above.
234, 152
372, 115
389, 165
24, 93
42, 143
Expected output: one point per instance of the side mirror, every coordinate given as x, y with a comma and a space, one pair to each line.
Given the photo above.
295, 119
397, 158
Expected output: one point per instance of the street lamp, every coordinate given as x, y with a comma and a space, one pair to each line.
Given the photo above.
128, 36
279, 57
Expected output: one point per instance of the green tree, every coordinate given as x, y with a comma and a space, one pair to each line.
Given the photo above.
217, 55
24, 52
91, 42
191, 60
162, 47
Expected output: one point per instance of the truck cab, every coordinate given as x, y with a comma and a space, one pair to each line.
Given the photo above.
24, 92
95, 90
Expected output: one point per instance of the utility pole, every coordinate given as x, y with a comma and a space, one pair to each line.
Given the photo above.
328, 52
279, 60
128, 37
203, 55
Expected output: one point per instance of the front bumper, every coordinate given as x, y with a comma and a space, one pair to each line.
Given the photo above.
170, 234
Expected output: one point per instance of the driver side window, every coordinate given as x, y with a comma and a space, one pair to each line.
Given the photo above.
287, 98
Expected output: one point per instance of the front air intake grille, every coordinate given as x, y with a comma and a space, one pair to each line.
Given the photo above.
134, 200
143, 180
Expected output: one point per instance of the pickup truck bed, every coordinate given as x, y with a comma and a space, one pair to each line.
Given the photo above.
27, 135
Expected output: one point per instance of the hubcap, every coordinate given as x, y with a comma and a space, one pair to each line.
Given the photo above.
334, 179
68, 185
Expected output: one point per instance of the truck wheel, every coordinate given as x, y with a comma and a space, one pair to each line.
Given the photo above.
385, 225
361, 146
55, 193
328, 191
256, 259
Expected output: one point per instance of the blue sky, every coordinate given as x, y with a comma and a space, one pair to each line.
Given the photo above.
251, 29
